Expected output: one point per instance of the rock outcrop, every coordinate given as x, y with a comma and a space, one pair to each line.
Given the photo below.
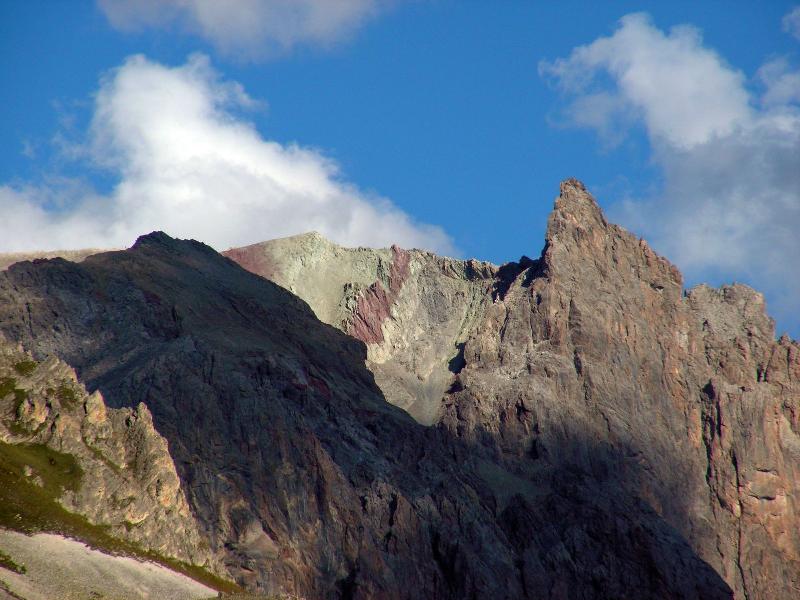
9, 258
413, 310
305, 480
127, 480
593, 359
582, 427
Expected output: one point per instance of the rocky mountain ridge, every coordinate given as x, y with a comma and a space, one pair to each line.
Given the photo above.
596, 341
9, 258
71, 465
582, 427
413, 310
692, 399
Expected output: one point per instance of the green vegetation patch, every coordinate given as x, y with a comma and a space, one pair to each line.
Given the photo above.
26, 367
59, 472
7, 386
20, 396
30, 508
8, 563
67, 394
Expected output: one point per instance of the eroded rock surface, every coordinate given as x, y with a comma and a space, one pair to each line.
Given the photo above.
414, 310
593, 360
594, 431
305, 480
128, 483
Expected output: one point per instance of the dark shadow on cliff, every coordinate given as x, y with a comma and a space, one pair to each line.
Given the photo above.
507, 274
457, 362
305, 476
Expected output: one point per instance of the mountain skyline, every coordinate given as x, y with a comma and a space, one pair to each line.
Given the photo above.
428, 125
357, 424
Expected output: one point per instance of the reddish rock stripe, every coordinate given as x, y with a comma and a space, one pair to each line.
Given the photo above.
254, 259
400, 270
374, 303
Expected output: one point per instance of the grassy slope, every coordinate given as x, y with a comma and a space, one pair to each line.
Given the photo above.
30, 508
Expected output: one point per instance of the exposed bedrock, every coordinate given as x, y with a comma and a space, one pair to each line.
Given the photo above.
594, 357
584, 428
124, 477
414, 310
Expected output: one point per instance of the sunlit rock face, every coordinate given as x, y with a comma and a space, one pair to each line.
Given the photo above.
582, 428
591, 356
124, 477
596, 360
413, 310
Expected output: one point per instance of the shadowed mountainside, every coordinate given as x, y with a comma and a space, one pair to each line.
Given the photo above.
414, 310
304, 480
9, 258
589, 358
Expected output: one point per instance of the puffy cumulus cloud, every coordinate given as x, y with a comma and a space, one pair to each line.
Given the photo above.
682, 91
185, 162
791, 22
728, 148
781, 83
247, 28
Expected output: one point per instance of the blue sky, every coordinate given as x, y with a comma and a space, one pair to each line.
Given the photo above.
440, 124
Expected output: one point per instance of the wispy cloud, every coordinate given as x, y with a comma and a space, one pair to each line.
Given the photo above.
791, 22
248, 28
185, 161
730, 203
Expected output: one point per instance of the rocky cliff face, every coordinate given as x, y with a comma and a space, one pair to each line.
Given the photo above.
584, 429
124, 477
413, 310
303, 478
592, 359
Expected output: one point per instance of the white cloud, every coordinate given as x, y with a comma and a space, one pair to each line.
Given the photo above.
791, 22
247, 28
188, 165
682, 91
781, 83
729, 207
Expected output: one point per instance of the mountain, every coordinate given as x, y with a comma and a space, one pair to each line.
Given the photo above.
434, 303
593, 357
71, 465
9, 258
356, 423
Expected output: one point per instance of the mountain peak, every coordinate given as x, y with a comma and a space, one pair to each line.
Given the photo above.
575, 206
154, 238
160, 243
576, 226
581, 397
